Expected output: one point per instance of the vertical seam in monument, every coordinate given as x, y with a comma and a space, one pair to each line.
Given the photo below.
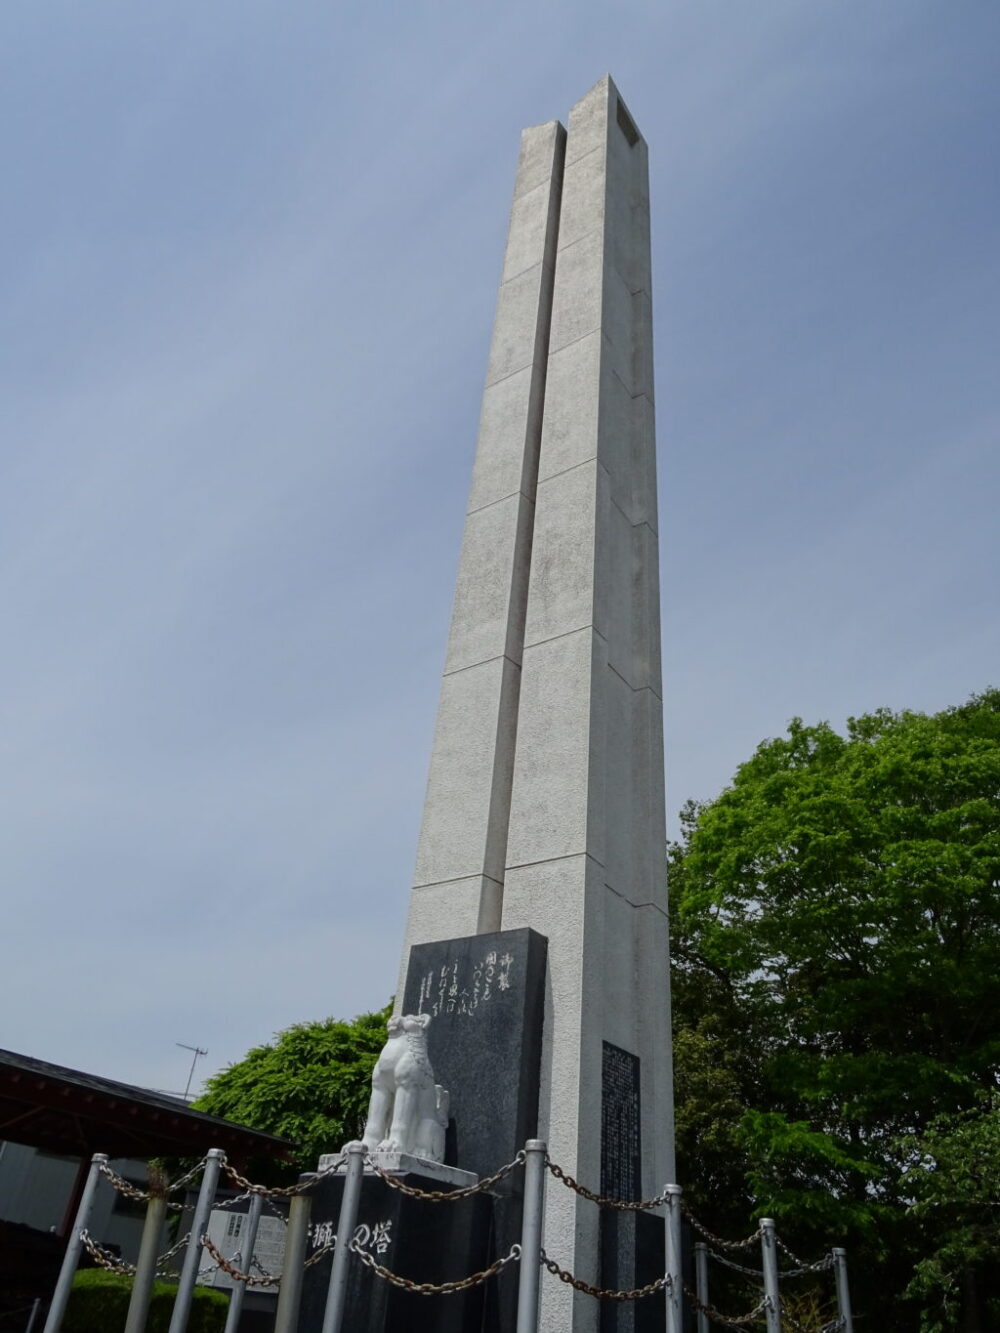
495, 859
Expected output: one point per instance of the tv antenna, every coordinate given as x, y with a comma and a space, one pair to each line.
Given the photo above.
197, 1052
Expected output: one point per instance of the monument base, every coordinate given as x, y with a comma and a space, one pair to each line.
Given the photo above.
415, 1238
401, 1163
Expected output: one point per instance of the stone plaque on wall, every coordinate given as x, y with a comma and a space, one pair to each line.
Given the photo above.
621, 1149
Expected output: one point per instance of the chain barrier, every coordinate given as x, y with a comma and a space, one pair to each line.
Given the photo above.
729, 1321
280, 1191
317, 1255
606, 1293
801, 1266
103, 1258
702, 1230
756, 1273
175, 1185
603, 1200
444, 1196
265, 1280
436, 1288
163, 1272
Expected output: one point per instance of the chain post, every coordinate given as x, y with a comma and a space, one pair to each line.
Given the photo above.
336, 1296
34, 1314
60, 1296
145, 1267
286, 1319
675, 1291
192, 1255
246, 1256
535, 1151
843, 1290
701, 1283
769, 1264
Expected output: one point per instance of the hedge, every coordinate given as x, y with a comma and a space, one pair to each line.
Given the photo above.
99, 1301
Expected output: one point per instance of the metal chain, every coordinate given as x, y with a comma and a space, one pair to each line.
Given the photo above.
188, 1175
126, 1187
604, 1293
730, 1321
278, 1191
436, 1288
601, 1199
317, 1255
756, 1273
266, 1280
801, 1266
103, 1258
443, 1196
748, 1243
174, 1249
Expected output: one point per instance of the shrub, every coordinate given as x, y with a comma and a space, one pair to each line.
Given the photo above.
99, 1301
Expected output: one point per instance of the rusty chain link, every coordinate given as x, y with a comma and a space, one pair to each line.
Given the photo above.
265, 1280
278, 1191
601, 1199
435, 1288
729, 1321
443, 1196
702, 1230
756, 1273
103, 1258
605, 1293
317, 1255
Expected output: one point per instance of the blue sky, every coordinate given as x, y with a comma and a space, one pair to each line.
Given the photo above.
250, 254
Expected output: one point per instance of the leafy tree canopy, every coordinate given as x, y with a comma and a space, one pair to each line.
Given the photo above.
310, 1085
836, 917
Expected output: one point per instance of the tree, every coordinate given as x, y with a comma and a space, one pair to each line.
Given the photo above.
836, 919
310, 1085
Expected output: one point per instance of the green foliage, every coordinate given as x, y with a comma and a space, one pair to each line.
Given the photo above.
953, 1180
310, 1085
98, 1303
836, 940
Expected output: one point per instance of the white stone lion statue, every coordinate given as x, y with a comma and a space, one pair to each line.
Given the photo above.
408, 1111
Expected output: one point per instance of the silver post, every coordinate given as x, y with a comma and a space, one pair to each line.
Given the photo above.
675, 1291
769, 1263
843, 1290
701, 1283
535, 1151
336, 1296
145, 1267
246, 1258
74, 1245
192, 1255
34, 1314
286, 1318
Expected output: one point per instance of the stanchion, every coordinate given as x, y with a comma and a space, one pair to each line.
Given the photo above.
531, 1236
843, 1290
192, 1255
286, 1319
336, 1296
34, 1314
145, 1267
701, 1283
675, 1291
769, 1263
73, 1246
247, 1242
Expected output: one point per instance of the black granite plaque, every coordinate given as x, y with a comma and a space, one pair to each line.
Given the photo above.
418, 1239
485, 995
621, 1148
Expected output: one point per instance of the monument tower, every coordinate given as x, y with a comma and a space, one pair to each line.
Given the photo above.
545, 806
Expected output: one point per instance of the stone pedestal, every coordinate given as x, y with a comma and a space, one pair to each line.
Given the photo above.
428, 1242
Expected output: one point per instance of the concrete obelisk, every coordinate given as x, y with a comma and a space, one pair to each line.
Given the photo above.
545, 804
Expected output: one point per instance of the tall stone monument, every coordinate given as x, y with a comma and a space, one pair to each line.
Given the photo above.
545, 806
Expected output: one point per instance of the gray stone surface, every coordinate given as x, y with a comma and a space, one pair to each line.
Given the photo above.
545, 803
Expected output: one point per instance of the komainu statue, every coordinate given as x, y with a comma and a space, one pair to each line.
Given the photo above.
408, 1111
